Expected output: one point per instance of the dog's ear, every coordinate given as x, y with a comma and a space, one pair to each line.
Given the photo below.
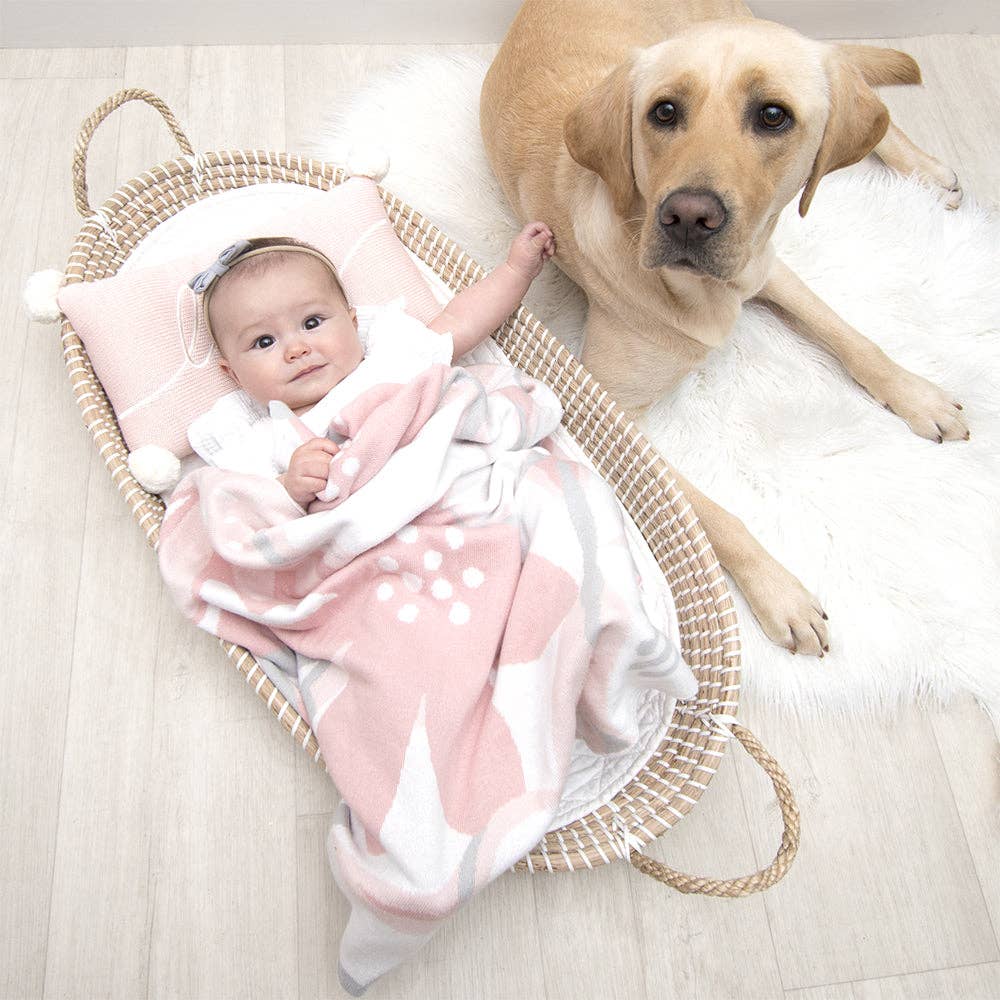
598, 134
856, 124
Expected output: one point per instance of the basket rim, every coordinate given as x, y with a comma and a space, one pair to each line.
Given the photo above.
672, 780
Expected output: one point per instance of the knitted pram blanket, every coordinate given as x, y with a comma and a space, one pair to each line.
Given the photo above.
462, 604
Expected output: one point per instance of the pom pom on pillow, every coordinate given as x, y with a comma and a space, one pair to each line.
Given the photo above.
367, 161
138, 326
40, 291
155, 468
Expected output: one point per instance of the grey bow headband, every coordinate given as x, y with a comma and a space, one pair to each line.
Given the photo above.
200, 282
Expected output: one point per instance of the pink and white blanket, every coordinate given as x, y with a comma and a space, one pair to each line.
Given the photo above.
461, 602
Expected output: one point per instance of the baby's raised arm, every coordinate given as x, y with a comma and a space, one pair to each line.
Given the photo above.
475, 313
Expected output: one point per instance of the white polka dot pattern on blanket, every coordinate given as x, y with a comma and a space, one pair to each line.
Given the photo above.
435, 598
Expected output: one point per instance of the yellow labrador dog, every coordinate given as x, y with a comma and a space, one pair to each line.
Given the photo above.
660, 141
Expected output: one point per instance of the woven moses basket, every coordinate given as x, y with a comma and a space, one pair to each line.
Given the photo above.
670, 783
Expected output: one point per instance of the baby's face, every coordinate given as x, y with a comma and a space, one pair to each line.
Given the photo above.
285, 333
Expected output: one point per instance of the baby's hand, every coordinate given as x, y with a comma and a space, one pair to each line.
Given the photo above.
531, 248
308, 469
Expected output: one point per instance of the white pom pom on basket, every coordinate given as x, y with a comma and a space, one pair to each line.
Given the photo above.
671, 782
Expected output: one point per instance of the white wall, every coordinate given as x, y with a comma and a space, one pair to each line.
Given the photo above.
45, 23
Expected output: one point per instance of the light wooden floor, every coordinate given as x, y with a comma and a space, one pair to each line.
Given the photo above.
161, 835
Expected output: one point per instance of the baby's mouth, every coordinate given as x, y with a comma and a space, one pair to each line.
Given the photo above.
307, 371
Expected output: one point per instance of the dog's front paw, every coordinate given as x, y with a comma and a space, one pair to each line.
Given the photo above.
929, 411
789, 615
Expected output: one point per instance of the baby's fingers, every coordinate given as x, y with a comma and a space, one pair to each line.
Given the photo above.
316, 445
325, 445
537, 233
319, 451
318, 466
311, 484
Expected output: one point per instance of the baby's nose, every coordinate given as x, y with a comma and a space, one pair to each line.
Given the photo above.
297, 347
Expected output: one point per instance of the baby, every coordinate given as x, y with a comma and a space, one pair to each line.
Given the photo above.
286, 332
460, 603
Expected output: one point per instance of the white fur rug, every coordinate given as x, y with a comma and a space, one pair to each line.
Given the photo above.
899, 537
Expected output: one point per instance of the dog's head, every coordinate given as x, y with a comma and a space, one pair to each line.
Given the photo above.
708, 135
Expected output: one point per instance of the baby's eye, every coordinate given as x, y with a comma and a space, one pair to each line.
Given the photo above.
312, 322
264, 341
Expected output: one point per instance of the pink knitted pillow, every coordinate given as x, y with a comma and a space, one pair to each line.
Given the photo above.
138, 325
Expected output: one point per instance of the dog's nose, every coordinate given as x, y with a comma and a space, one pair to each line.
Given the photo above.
691, 216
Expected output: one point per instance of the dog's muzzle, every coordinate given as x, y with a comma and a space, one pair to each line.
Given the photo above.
688, 224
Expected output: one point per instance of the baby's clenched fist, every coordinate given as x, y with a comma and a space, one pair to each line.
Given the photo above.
531, 248
308, 470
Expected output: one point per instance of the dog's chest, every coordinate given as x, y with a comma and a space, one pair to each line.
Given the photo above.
659, 304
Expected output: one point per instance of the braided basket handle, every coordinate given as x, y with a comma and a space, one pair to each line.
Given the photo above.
89, 126
749, 884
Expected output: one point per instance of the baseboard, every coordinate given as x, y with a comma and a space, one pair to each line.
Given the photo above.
881, 18
88, 23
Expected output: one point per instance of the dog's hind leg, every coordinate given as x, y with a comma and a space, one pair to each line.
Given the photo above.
881, 67
900, 153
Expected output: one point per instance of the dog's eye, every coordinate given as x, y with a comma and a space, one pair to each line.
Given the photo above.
665, 113
773, 117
